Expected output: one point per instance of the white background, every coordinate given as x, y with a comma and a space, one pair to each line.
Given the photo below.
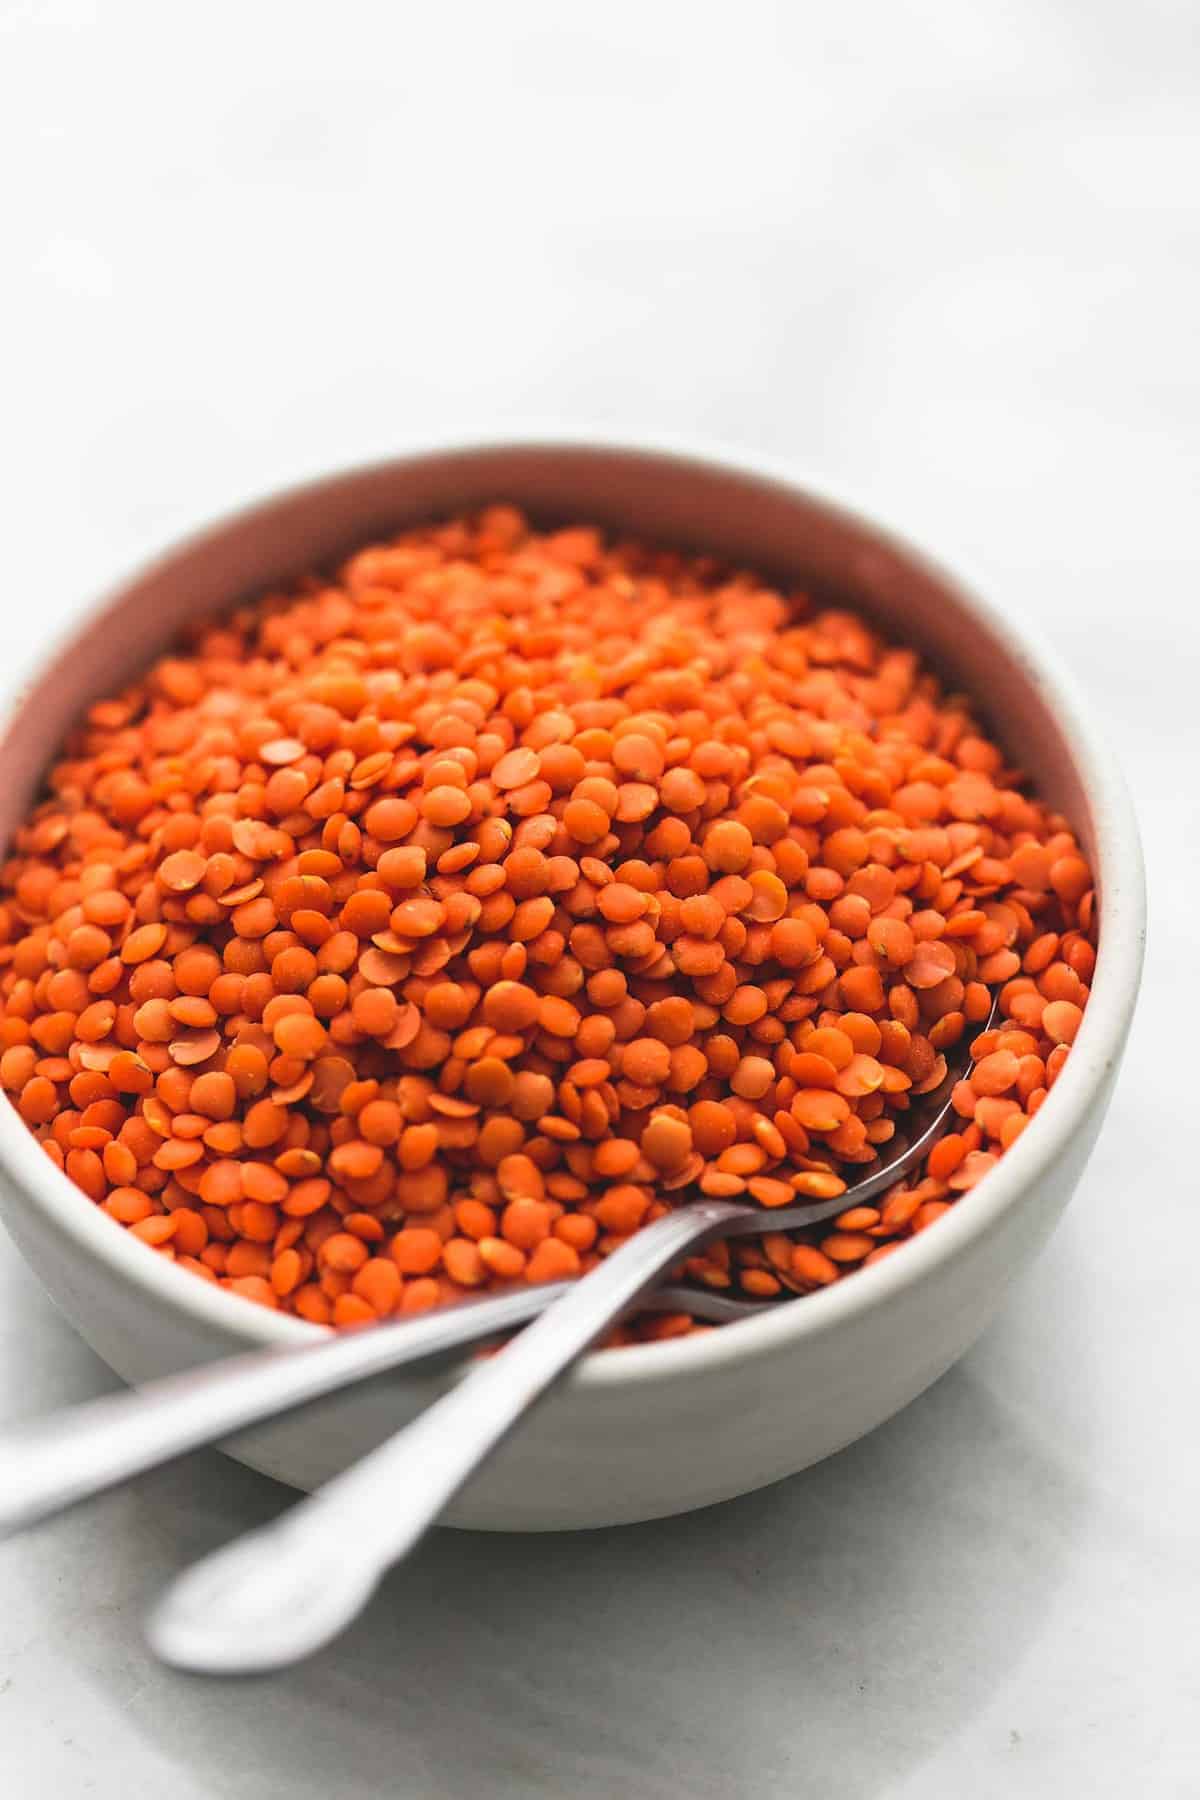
945, 257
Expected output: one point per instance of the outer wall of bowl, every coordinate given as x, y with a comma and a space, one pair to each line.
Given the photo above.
643, 1432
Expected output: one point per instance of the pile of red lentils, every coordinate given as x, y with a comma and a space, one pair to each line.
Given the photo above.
433, 927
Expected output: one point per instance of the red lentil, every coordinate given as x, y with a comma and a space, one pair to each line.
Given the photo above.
435, 926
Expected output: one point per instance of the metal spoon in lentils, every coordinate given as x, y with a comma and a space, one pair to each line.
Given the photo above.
281, 1592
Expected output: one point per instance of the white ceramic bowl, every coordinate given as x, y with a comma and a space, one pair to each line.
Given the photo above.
660, 1428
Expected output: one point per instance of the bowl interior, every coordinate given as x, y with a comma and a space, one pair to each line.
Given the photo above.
752, 520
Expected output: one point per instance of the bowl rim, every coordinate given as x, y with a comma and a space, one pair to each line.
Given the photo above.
1097, 1050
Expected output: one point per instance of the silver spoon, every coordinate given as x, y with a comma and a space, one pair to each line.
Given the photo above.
279, 1593
54, 1462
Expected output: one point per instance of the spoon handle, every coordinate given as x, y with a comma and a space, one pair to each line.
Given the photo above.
279, 1593
51, 1463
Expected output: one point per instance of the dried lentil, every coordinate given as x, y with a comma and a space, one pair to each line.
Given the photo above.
431, 927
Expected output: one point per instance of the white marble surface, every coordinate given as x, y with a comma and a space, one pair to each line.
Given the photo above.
945, 257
